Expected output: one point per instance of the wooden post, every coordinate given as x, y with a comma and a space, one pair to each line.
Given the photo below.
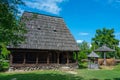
48, 59
67, 58
104, 59
11, 59
58, 58
37, 57
24, 60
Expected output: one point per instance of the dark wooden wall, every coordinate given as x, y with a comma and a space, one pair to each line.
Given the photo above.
41, 57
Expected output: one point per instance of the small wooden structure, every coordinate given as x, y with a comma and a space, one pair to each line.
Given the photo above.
93, 61
48, 43
104, 49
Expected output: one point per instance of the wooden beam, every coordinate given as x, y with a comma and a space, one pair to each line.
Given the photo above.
104, 59
48, 58
11, 59
67, 58
28, 50
37, 58
58, 60
24, 58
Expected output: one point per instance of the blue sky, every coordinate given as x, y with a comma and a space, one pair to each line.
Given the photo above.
82, 17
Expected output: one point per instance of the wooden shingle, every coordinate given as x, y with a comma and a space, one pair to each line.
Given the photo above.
47, 32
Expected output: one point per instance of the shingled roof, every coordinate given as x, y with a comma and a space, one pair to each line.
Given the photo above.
47, 32
93, 54
104, 48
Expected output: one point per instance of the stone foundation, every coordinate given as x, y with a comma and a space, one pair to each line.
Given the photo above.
31, 67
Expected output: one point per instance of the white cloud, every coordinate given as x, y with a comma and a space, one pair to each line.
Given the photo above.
83, 33
90, 45
51, 6
79, 41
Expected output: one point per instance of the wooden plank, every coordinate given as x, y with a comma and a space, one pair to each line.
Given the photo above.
11, 59
24, 61
58, 58
48, 58
37, 58
67, 58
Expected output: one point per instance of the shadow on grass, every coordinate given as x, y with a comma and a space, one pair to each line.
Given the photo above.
100, 79
116, 78
46, 76
105, 79
36, 76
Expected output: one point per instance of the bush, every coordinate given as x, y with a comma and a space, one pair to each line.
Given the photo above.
4, 65
117, 67
83, 65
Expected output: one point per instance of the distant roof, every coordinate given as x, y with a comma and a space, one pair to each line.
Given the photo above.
104, 48
47, 32
93, 54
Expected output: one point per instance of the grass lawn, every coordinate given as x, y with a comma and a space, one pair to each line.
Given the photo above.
39, 75
82, 74
99, 74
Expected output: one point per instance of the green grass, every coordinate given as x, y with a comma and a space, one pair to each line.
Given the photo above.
99, 74
39, 75
83, 74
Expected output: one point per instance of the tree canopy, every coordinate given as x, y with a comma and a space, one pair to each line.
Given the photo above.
11, 29
106, 37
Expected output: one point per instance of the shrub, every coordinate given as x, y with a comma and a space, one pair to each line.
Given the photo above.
4, 65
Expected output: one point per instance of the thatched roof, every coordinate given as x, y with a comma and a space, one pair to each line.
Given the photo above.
93, 54
104, 48
47, 32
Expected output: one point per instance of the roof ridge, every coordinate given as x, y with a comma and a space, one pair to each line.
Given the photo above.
41, 14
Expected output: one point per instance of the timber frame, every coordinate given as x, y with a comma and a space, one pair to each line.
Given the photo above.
50, 58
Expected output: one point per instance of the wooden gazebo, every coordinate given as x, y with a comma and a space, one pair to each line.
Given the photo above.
104, 49
48, 43
93, 61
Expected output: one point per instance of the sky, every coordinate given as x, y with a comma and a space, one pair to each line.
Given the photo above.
82, 17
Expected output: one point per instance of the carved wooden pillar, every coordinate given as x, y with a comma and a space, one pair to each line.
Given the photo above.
24, 58
67, 58
37, 58
58, 60
11, 59
48, 58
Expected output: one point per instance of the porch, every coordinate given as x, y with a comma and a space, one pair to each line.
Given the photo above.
35, 58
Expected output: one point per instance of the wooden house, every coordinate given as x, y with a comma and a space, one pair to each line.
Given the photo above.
48, 43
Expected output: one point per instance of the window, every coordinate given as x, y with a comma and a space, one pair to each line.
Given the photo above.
54, 30
39, 28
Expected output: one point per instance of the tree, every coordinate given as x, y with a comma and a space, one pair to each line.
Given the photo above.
106, 37
11, 29
84, 50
